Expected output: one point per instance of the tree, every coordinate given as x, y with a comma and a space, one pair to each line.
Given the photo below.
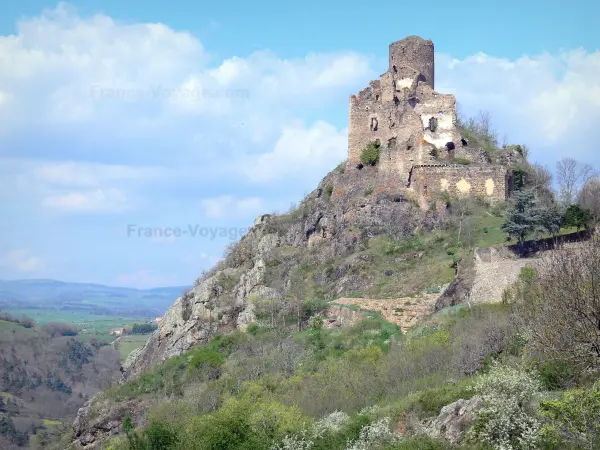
589, 196
562, 308
524, 217
576, 216
27, 322
571, 175
540, 178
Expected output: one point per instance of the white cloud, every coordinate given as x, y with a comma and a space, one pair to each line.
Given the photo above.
98, 200
300, 152
73, 173
22, 261
551, 102
230, 206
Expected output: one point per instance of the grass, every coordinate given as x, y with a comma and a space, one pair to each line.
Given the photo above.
7, 328
127, 344
50, 422
83, 320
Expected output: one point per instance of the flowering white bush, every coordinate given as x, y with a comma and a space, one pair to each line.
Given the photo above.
507, 421
371, 437
331, 423
295, 442
374, 436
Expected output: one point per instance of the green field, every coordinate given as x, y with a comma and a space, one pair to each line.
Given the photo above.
7, 328
127, 344
93, 323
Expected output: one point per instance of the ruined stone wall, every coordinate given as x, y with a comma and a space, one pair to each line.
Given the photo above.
413, 123
429, 181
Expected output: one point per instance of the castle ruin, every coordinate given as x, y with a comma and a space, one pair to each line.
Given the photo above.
417, 131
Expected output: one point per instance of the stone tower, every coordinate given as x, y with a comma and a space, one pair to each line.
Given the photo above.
421, 148
413, 54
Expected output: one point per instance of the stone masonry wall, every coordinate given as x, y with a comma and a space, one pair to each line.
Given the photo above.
429, 181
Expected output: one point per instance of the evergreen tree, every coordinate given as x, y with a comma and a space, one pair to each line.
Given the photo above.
525, 217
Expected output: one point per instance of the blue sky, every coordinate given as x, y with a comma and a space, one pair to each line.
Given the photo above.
117, 116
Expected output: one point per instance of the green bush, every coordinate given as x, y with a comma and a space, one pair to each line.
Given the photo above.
160, 437
253, 328
555, 375
574, 419
329, 190
206, 357
370, 154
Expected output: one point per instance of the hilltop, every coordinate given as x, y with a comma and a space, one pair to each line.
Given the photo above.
364, 317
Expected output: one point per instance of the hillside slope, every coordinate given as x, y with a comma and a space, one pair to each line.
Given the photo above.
337, 242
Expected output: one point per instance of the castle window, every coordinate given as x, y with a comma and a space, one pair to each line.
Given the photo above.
450, 146
377, 97
396, 101
395, 69
464, 142
433, 123
374, 124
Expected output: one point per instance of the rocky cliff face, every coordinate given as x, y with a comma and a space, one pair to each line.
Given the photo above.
332, 220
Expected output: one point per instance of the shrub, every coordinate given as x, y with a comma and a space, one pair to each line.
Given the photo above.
253, 328
159, 437
374, 436
507, 420
370, 154
555, 375
205, 357
329, 190
574, 419
369, 189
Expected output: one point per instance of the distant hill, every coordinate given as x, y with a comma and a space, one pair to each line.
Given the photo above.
86, 297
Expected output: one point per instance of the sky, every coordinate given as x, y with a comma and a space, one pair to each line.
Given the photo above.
123, 123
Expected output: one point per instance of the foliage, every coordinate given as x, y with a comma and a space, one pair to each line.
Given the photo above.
478, 130
589, 196
524, 217
329, 190
143, 328
370, 154
574, 419
577, 216
561, 307
508, 419
374, 436
519, 177
555, 374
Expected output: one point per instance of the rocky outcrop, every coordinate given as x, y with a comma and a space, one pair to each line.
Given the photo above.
98, 420
454, 420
